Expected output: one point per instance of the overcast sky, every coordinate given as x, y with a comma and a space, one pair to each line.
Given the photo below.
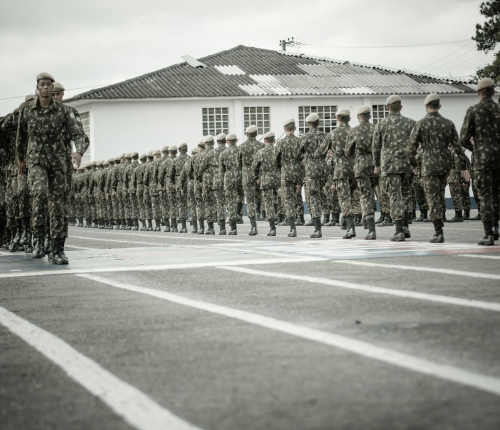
90, 43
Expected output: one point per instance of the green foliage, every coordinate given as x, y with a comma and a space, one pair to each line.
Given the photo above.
487, 37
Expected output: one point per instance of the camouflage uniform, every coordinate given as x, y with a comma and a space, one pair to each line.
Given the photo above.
165, 198
187, 184
230, 170
204, 175
178, 164
456, 194
247, 151
197, 187
132, 211
151, 177
138, 186
268, 175
419, 189
169, 186
218, 185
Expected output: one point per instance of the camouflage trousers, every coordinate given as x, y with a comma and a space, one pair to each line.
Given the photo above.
382, 198
47, 189
132, 205
220, 203
102, 212
23, 197
281, 203
200, 205
172, 198
476, 194
156, 204
398, 188
434, 187
488, 188
80, 206
10, 204
241, 199
209, 203
67, 204
313, 189
333, 200
460, 197
165, 205
367, 199
182, 204
3, 203
250, 197
289, 198
356, 202
420, 196
345, 191
109, 208
232, 199
192, 202
270, 197
300, 204
88, 207
147, 204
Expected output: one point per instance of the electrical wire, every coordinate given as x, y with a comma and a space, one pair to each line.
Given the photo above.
442, 58
388, 46
462, 62
69, 89
451, 61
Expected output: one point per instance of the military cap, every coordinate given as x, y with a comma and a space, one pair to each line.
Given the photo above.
313, 117
172, 148
288, 121
102, 162
431, 98
208, 138
29, 97
156, 152
150, 154
364, 109
165, 148
251, 129
134, 154
231, 136
94, 163
220, 136
106, 164
143, 156
269, 135
182, 145
195, 150
128, 155
111, 160
81, 168
343, 112
58, 88
44, 75
123, 155
118, 159
485, 83
392, 99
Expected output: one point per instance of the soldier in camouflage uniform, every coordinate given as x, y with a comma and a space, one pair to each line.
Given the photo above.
178, 164
187, 184
204, 175
288, 159
267, 176
148, 204
230, 171
197, 187
151, 177
390, 142
165, 203
464, 190
419, 189
218, 185
454, 182
481, 123
127, 215
43, 123
474, 189
90, 193
169, 186
434, 133
138, 187
131, 194
359, 145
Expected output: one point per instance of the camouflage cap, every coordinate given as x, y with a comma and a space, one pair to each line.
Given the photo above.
288, 121
29, 97
172, 148
343, 112
58, 88
165, 148
364, 109
207, 139
143, 156
200, 143
220, 136
81, 169
123, 155
182, 145
195, 150
117, 159
231, 136
94, 163
269, 135
106, 164
150, 153
111, 160
431, 98
156, 152
485, 83
128, 155
392, 99
134, 154
313, 117
102, 162
251, 129
44, 75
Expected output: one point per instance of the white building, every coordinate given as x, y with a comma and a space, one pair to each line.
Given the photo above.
229, 90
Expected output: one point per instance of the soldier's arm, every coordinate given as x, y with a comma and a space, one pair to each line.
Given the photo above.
351, 143
77, 135
277, 156
323, 148
413, 143
467, 132
256, 166
376, 146
458, 148
21, 137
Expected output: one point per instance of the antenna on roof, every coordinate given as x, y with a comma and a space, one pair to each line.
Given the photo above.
290, 42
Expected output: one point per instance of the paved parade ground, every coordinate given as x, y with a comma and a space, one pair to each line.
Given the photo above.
163, 331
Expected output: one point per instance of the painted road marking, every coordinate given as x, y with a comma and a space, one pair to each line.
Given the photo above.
370, 289
78, 247
489, 257
168, 235
421, 269
479, 381
135, 407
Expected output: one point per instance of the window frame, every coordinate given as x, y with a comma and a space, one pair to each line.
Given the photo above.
251, 116
327, 117
376, 111
214, 120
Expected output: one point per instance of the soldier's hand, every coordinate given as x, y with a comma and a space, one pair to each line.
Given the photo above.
465, 175
324, 190
182, 192
465, 186
298, 188
415, 170
21, 165
456, 181
332, 188
258, 181
77, 158
376, 170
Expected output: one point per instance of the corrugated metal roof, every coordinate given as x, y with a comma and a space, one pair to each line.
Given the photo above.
244, 71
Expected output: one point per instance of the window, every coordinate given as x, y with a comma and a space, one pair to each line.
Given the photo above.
258, 116
327, 117
215, 121
379, 112
87, 157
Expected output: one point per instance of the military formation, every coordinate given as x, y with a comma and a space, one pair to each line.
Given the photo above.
398, 162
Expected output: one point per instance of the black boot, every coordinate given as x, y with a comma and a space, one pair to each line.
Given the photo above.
332, 221
406, 229
357, 220
300, 220
150, 225
414, 215
201, 230
381, 218
370, 223
48, 243
387, 221
194, 225
58, 256
310, 223
399, 235
234, 230
25, 225
488, 238
253, 223
183, 227
27, 243
335, 219
222, 225
39, 250
264, 216
438, 232
343, 224
118, 224
272, 226
326, 219
167, 226
458, 217
293, 229
423, 216
239, 210
136, 225
317, 229
444, 217
173, 225
157, 225
210, 229
351, 228
258, 216
477, 217
496, 233
15, 244
7, 238
285, 221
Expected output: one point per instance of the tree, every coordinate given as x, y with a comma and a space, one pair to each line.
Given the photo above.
487, 37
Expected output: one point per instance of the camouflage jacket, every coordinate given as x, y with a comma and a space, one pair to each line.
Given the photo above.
151, 176
165, 170
359, 146
434, 133
137, 177
193, 174
176, 169
330, 168
314, 159
127, 176
336, 140
115, 178
91, 182
205, 172
214, 162
185, 172
42, 135
230, 169
264, 168
288, 159
102, 181
84, 181
247, 151
390, 143
482, 123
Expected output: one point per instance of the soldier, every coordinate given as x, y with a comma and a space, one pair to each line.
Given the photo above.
434, 133
288, 159
455, 186
169, 187
200, 207
390, 142
151, 176
43, 124
474, 189
217, 184
165, 204
126, 162
100, 202
481, 123
176, 169
230, 173
148, 204
419, 189
247, 152
267, 176
91, 193
359, 145
138, 187
187, 186
131, 194
205, 178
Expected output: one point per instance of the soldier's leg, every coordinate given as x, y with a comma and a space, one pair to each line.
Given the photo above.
393, 189
343, 188
476, 197
289, 193
182, 205
488, 187
420, 197
464, 191
456, 196
249, 191
221, 204
24, 210
356, 201
270, 199
366, 196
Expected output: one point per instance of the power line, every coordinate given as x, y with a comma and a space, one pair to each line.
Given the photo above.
69, 89
451, 61
462, 62
389, 46
442, 58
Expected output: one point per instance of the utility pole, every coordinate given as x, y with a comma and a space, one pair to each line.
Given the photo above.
290, 42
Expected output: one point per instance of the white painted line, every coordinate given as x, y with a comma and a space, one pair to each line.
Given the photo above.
79, 247
421, 269
116, 240
490, 306
158, 267
162, 235
135, 407
479, 381
486, 256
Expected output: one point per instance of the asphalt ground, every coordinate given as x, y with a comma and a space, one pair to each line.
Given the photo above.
149, 330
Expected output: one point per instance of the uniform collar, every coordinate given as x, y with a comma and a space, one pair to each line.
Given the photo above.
53, 104
433, 114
